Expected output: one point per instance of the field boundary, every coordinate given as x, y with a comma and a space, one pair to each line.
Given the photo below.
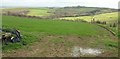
113, 33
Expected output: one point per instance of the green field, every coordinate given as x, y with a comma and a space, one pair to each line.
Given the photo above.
39, 11
61, 12
49, 33
32, 11
49, 26
34, 29
109, 17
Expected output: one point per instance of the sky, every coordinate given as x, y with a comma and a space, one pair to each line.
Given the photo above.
59, 3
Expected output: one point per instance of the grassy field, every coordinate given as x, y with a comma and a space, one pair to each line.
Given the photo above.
56, 32
61, 27
109, 17
62, 12
32, 11
39, 11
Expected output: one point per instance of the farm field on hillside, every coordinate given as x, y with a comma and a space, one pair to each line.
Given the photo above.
109, 17
65, 28
40, 11
57, 38
58, 12
29, 11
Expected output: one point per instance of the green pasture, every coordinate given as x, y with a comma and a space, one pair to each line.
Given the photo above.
33, 29
39, 11
109, 17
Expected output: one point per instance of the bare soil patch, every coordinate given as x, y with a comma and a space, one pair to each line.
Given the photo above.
55, 46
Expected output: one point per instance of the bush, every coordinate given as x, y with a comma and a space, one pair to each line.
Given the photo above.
114, 25
98, 22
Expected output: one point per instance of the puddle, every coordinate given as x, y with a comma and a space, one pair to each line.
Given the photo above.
79, 51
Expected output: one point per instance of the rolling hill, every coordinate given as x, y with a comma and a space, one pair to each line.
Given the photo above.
109, 17
55, 37
74, 11
55, 33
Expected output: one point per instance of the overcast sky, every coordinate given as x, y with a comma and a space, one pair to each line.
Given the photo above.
59, 3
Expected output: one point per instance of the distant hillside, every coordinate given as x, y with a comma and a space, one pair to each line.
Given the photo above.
81, 11
39, 11
55, 12
109, 17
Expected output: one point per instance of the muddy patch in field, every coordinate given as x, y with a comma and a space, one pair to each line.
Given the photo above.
79, 52
61, 46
